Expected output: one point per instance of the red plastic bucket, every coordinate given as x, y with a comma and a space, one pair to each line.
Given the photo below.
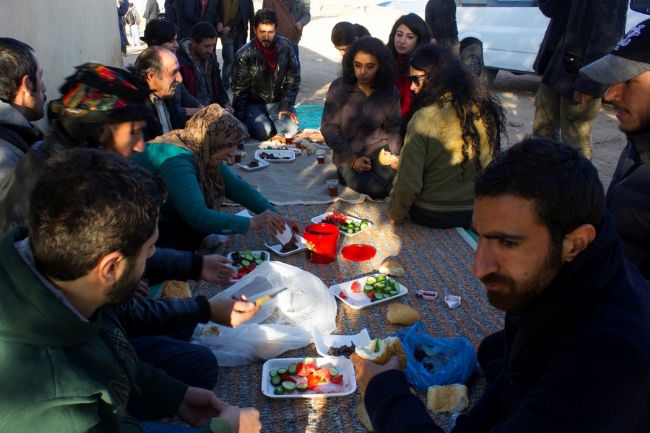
322, 241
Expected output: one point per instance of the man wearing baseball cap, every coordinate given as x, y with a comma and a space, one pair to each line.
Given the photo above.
627, 72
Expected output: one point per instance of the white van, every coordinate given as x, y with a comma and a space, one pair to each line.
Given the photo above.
499, 34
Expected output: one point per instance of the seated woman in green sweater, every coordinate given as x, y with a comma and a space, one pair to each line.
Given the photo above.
191, 162
454, 130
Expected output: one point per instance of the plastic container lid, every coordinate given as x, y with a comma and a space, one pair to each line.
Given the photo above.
359, 252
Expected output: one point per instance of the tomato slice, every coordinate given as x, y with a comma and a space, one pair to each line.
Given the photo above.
356, 287
337, 379
371, 295
342, 295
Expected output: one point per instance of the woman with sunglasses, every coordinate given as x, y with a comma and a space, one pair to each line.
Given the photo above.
453, 130
361, 117
408, 33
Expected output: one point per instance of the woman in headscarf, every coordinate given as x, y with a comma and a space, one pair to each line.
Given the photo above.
409, 32
454, 130
191, 161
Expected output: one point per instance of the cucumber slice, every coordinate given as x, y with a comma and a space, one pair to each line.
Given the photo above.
273, 373
379, 296
258, 261
380, 285
367, 289
245, 262
334, 371
380, 277
282, 371
350, 231
292, 368
278, 390
288, 386
371, 280
276, 380
301, 387
363, 226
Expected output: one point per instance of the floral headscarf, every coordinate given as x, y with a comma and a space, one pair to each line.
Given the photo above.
207, 132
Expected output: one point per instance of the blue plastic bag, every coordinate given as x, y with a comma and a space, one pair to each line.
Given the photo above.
453, 359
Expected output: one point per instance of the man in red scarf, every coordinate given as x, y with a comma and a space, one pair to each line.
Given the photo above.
266, 81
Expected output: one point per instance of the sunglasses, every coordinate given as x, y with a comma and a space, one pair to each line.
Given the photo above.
415, 79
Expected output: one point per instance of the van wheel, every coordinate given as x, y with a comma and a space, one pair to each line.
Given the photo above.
472, 57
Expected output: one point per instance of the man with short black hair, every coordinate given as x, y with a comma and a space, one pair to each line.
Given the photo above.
159, 68
575, 352
200, 68
22, 100
64, 357
266, 81
626, 70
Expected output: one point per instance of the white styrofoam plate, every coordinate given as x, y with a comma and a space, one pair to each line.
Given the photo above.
281, 155
323, 342
277, 248
358, 301
262, 164
342, 364
321, 218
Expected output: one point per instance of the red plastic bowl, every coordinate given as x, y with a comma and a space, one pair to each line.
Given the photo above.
359, 252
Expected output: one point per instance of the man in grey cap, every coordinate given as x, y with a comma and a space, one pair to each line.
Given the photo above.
627, 72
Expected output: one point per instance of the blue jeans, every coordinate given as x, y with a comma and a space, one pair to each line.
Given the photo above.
231, 44
159, 427
262, 121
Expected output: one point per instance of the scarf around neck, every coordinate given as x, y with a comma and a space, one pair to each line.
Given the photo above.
270, 55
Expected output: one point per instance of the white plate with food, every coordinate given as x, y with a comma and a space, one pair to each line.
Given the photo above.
254, 165
308, 377
366, 291
339, 345
275, 155
301, 245
246, 260
347, 224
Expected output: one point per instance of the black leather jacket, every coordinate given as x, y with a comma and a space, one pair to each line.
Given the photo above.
254, 83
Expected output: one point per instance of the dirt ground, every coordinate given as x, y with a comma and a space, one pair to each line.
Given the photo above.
321, 64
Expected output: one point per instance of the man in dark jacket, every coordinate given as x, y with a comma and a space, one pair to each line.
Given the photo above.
159, 68
575, 352
199, 66
22, 100
266, 82
580, 31
122, 9
92, 225
233, 19
191, 12
627, 72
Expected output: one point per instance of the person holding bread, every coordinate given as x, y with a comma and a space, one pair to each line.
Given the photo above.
574, 354
453, 131
361, 118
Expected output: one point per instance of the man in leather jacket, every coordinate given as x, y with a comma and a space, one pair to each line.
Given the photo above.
266, 81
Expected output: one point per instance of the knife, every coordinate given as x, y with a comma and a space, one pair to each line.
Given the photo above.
268, 297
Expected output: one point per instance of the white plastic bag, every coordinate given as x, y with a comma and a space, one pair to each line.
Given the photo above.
283, 323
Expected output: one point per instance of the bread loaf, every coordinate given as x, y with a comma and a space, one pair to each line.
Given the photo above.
402, 314
449, 398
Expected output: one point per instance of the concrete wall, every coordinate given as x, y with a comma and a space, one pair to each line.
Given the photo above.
64, 33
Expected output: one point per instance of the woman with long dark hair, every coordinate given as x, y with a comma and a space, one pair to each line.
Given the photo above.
454, 130
362, 117
409, 32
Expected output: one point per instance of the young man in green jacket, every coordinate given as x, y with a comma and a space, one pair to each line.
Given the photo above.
65, 361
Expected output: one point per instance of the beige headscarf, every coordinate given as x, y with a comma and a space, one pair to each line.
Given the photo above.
208, 131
